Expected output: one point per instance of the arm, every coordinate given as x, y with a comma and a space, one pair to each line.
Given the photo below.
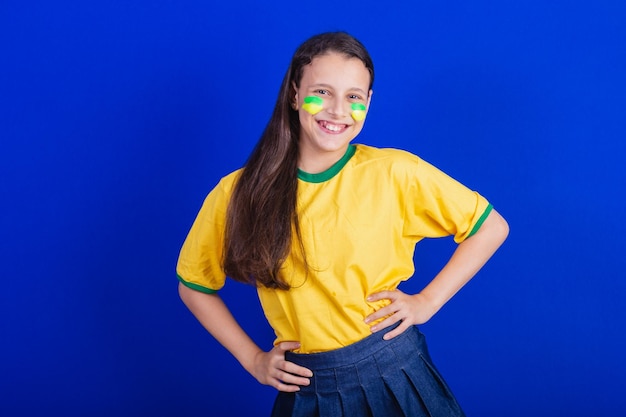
469, 256
269, 368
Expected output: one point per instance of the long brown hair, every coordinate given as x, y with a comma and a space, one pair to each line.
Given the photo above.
262, 209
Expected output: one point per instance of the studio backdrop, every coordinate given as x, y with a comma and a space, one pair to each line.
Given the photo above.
118, 117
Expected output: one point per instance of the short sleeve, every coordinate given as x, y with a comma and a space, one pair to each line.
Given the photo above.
438, 205
200, 260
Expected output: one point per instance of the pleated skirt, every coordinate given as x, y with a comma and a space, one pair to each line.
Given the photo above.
372, 377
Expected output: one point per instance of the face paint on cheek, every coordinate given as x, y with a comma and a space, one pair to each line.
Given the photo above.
358, 112
313, 104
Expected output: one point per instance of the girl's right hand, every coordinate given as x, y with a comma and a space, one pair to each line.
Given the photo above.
271, 368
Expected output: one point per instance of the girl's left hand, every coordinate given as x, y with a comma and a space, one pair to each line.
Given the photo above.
409, 309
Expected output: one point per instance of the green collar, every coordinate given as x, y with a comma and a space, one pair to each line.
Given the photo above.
330, 172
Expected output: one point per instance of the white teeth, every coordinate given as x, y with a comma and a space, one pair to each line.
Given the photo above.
332, 127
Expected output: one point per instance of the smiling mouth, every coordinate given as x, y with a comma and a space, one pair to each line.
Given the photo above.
332, 127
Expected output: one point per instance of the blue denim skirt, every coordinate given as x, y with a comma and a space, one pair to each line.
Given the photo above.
372, 377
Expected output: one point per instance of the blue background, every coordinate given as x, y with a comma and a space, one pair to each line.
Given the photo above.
117, 117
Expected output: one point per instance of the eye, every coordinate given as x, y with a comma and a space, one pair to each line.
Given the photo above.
321, 91
355, 97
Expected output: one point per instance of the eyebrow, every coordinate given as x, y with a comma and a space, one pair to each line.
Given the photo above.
360, 90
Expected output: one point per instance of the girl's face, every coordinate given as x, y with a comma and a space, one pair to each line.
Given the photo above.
332, 101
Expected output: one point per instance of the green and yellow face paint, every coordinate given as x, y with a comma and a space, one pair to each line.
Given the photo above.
313, 104
358, 112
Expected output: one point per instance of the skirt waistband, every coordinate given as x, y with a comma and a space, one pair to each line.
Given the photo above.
355, 352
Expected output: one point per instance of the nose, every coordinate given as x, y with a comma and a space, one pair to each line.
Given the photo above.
338, 108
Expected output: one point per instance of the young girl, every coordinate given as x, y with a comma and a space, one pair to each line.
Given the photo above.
326, 230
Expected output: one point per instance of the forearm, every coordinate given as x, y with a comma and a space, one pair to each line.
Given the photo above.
468, 258
217, 319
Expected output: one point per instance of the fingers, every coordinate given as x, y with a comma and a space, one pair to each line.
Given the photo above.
284, 381
396, 332
287, 376
285, 346
388, 310
379, 314
284, 387
382, 295
399, 310
294, 369
287, 366
389, 321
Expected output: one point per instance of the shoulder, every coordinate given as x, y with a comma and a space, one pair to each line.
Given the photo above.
219, 197
388, 159
400, 166
366, 153
227, 183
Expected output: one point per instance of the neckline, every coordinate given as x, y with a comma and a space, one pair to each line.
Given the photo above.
330, 172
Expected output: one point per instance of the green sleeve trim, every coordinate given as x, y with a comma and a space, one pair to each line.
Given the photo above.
196, 286
482, 219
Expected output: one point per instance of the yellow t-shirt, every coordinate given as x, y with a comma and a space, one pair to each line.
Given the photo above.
360, 221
